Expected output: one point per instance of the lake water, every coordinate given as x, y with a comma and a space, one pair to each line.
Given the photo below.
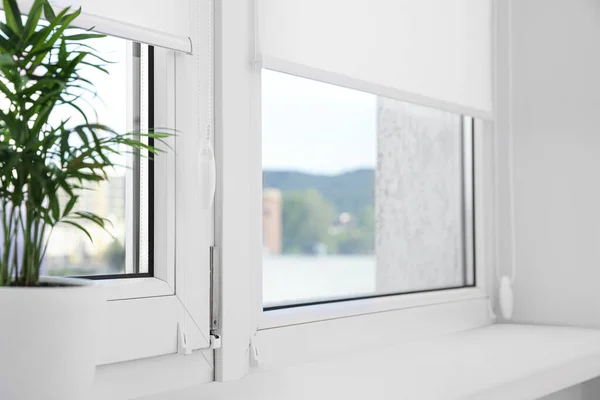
291, 279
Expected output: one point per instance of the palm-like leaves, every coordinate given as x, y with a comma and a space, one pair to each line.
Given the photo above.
40, 65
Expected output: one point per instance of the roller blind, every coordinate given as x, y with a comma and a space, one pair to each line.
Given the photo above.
432, 52
158, 23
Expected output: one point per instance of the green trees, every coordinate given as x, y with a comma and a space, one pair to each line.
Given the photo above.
114, 256
311, 224
333, 214
306, 220
359, 238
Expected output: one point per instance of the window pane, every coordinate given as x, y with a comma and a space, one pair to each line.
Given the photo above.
121, 95
363, 195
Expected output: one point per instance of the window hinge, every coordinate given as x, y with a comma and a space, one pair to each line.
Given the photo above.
215, 337
215, 293
215, 306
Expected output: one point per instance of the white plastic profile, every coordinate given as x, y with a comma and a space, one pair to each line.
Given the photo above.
207, 176
207, 169
506, 297
505, 290
136, 33
127, 21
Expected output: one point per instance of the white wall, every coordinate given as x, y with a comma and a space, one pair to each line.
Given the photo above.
556, 109
556, 120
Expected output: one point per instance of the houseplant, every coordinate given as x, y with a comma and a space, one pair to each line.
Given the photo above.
47, 326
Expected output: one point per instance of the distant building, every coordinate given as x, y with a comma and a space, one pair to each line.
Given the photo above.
272, 230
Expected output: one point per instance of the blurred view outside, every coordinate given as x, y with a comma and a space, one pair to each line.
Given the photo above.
70, 252
362, 195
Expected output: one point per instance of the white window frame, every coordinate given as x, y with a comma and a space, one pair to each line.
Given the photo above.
144, 316
300, 334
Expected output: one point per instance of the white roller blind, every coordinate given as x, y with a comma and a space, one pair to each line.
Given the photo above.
433, 52
165, 23
159, 23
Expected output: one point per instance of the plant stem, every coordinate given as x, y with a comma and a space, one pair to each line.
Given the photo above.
14, 240
35, 252
10, 238
6, 241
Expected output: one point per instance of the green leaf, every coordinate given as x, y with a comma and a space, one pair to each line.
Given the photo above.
70, 204
80, 227
67, 187
87, 176
49, 12
11, 41
64, 20
48, 36
13, 16
79, 110
101, 222
6, 60
33, 18
54, 206
84, 36
6, 91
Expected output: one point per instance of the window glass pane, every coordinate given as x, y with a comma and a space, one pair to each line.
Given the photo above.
121, 101
118, 105
363, 195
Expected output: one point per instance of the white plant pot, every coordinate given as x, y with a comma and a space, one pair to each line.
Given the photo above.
48, 340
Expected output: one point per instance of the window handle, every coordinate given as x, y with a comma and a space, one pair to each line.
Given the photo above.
207, 175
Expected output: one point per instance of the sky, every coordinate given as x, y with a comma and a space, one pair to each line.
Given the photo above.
315, 127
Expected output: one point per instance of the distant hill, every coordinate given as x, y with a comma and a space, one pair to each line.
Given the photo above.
348, 192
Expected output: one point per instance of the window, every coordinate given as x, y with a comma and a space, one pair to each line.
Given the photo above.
152, 302
363, 196
283, 139
134, 262
124, 101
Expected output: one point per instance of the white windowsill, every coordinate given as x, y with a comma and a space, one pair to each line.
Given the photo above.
496, 362
149, 376
502, 361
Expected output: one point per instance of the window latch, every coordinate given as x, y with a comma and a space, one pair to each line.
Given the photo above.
254, 355
215, 342
182, 347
